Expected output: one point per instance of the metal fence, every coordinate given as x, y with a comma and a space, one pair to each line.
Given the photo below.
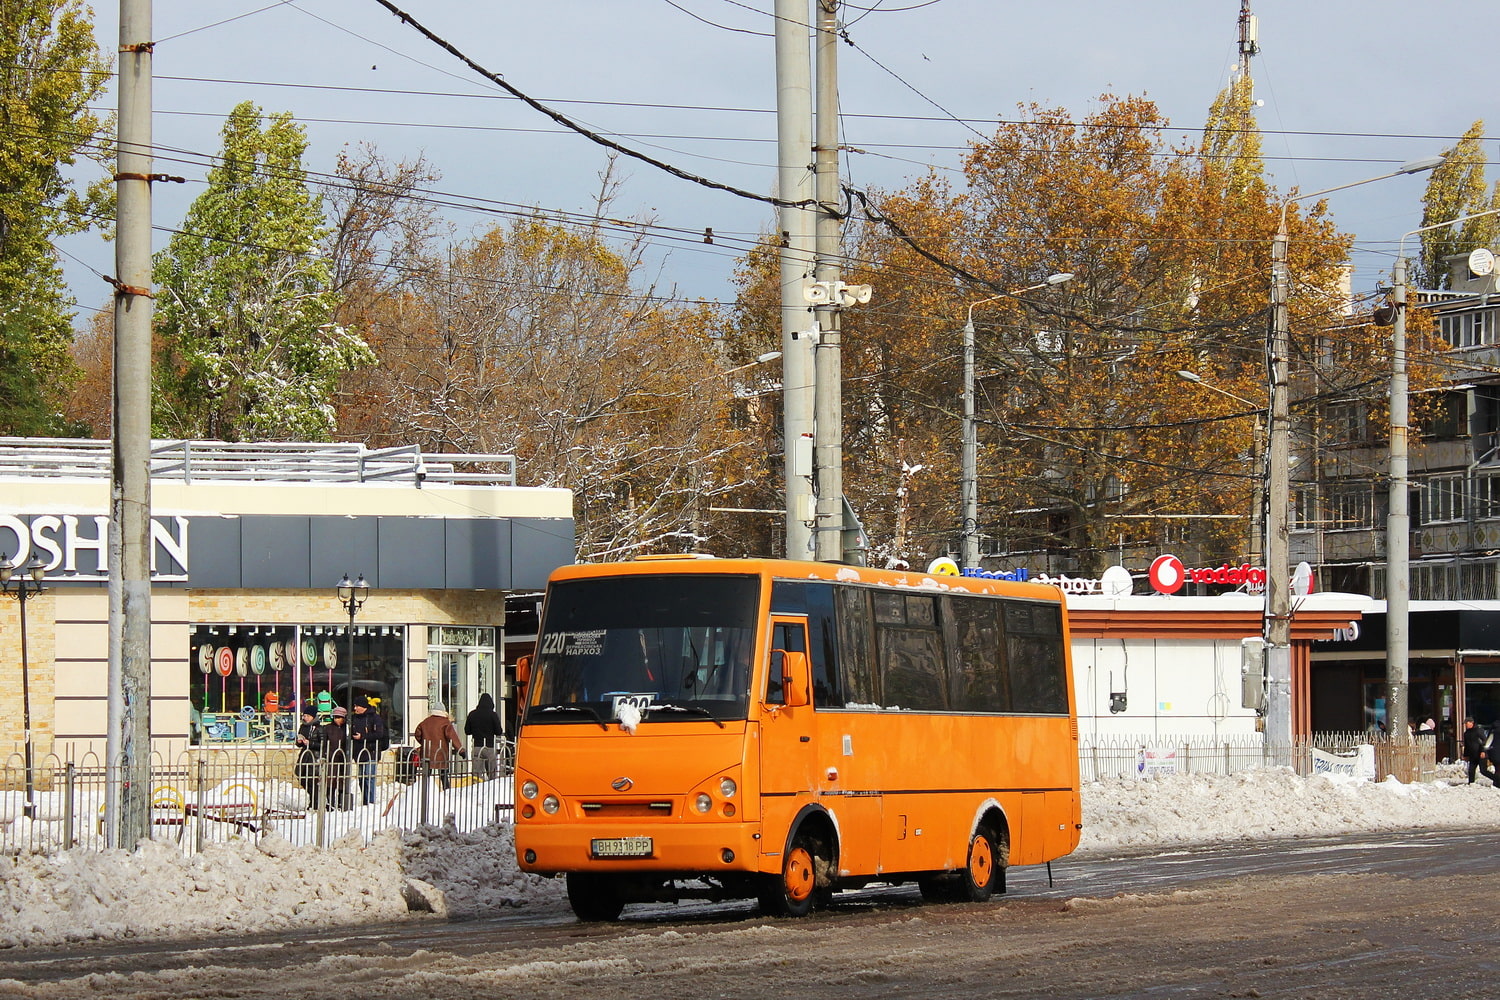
200, 796
203, 796
1137, 756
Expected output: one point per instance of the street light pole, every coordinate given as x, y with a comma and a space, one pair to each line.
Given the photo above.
1278, 619
1398, 519
352, 594
22, 588
969, 536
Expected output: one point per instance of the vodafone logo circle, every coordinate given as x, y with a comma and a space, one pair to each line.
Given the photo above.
1167, 574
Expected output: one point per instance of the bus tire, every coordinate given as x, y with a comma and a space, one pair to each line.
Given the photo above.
976, 882
792, 893
981, 873
594, 898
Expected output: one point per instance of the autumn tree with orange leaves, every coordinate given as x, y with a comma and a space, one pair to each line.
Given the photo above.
1094, 448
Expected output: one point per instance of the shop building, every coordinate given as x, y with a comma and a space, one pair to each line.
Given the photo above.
1172, 666
248, 545
1453, 670
1150, 661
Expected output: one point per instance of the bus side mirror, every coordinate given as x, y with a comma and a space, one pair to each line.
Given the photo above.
795, 680
523, 671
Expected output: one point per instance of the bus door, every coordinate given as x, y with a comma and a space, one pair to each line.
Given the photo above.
788, 750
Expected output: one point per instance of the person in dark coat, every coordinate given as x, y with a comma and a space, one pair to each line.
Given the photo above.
1477, 751
309, 749
438, 739
369, 738
336, 752
482, 725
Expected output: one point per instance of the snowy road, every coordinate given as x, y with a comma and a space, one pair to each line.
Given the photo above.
1355, 916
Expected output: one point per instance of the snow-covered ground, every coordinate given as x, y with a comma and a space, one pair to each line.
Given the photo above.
275, 885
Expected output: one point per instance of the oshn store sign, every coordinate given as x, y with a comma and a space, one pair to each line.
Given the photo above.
75, 548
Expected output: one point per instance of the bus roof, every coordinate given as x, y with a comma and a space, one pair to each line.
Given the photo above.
787, 569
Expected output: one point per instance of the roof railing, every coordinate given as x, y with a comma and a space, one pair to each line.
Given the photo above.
259, 461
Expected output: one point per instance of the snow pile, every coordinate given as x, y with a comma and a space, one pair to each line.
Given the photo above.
244, 887
476, 872
236, 887
1125, 813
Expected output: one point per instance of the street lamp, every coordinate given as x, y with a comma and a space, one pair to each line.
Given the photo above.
22, 588
969, 550
1257, 498
1277, 619
352, 595
1398, 520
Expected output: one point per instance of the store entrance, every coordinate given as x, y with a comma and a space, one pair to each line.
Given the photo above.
461, 665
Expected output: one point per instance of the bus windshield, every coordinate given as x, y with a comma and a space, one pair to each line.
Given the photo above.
671, 648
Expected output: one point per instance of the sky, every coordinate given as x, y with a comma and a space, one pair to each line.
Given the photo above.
248, 887
1352, 88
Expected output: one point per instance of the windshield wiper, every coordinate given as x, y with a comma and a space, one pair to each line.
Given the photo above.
574, 708
687, 708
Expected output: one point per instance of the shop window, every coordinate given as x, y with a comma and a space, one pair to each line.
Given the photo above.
249, 682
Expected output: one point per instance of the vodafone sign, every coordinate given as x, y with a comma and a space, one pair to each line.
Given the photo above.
1167, 575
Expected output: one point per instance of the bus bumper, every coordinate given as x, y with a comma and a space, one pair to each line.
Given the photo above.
698, 848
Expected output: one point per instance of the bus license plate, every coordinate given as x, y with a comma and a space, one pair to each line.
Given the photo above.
621, 847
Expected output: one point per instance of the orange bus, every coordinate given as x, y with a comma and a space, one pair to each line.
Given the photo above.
742, 728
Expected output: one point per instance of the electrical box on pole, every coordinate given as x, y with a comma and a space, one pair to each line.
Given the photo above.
1253, 673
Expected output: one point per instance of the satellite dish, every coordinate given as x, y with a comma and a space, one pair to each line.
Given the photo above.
943, 566
1116, 582
1481, 262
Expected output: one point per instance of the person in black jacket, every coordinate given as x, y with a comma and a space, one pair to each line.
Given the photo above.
1478, 754
482, 725
369, 737
309, 749
336, 753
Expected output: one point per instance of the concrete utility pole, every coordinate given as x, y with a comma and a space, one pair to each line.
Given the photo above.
1278, 618
128, 743
795, 184
1398, 519
1397, 522
828, 433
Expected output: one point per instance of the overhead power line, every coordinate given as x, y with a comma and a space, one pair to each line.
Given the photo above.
570, 124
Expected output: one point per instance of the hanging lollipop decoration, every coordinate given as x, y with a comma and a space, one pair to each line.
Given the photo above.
206, 667
258, 667
224, 664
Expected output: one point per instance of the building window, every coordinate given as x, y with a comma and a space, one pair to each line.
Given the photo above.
1443, 499
1485, 499
1348, 424
1475, 328
249, 683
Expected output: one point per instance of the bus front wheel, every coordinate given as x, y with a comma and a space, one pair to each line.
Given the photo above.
594, 898
791, 894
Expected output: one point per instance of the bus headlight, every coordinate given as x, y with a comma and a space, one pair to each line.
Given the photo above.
727, 787
528, 789
704, 802
550, 805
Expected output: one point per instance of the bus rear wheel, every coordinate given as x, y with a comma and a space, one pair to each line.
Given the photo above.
976, 881
792, 893
594, 898
982, 873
